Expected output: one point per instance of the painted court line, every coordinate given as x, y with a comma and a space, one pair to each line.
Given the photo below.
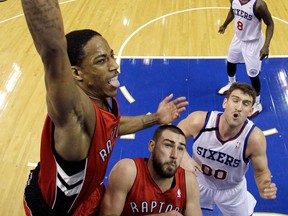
20, 15
187, 57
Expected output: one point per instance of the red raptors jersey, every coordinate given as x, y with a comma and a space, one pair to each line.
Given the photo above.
89, 188
145, 197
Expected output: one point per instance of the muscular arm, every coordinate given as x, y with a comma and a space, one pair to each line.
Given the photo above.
193, 123
131, 124
120, 181
193, 196
191, 127
65, 102
229, 18
256, 150
262, 10
167, 112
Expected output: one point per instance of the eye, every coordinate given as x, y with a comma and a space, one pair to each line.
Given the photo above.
100, 61
168, 145
247, 104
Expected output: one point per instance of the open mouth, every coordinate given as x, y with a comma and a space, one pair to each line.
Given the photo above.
114, 82
235, 115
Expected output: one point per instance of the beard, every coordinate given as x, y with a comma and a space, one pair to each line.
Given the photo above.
162, 169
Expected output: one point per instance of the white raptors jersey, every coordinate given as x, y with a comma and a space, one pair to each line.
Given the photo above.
247, 25
223, 162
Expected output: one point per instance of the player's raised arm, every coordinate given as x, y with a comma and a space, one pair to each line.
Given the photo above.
45, 23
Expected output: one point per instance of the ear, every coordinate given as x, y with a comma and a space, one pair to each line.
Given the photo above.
224, 103
151, 145
76, 72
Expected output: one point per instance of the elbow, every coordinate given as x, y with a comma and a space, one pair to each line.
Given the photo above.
270, 24
53, 48
51, 53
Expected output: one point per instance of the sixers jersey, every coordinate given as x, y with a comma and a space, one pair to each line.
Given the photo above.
247, 25
145, 197
223, 162
86, 186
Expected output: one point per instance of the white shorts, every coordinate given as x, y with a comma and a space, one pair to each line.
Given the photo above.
247, 52
236, 201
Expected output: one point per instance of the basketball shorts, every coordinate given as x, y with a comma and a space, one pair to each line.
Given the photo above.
236, 201
247, 52
35, 204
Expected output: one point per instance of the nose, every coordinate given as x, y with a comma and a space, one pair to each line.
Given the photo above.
113, 64
238, 106
174, 153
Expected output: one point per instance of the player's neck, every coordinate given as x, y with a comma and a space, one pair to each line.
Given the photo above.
244, 1
102, 103
227, 131
164, 184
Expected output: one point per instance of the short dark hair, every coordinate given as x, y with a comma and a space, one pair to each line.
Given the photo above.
162, 128
76, 40
244, 87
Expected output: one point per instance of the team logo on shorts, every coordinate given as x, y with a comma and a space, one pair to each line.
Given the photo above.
253, 72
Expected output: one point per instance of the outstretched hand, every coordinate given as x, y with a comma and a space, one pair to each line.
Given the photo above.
168, 111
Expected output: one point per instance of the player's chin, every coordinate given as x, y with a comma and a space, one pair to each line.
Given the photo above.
111, 92
171, 170
169, 174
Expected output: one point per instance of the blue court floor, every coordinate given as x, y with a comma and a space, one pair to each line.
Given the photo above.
150, 80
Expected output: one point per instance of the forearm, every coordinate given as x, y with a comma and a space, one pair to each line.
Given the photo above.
229, 18
262, 179
186, 161
45, 23
131, 124
269, 34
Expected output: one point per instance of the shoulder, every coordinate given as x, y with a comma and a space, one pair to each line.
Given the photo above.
125, 166
200, 115
261, 6
195, 118
256, 135
200, 119
260, 3
193, 123
123, 173
256, 142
